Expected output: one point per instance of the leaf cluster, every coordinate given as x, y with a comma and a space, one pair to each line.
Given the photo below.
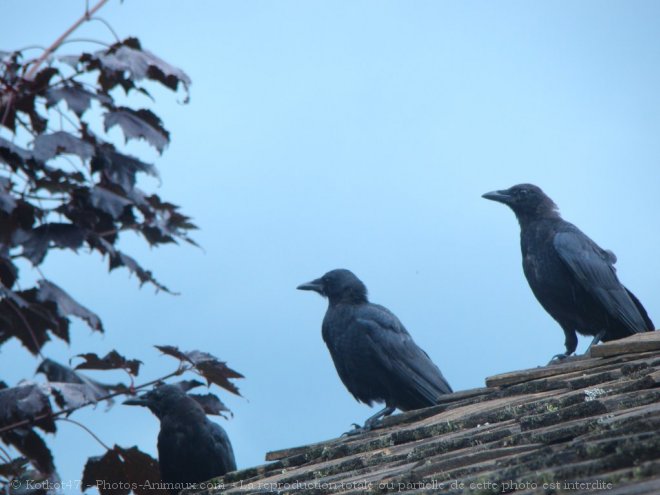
66, 183
30, 406
70, 187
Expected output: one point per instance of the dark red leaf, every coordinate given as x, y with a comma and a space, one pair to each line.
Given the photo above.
207, 365
72, 389
119, 168
210, 403
47, 146
77, 98
7, 115
42, 79
74, 395
31, 445
119, 470
117, 259
23, 316
13, 155
24, 101
128, 56
8, 272
111, 361
66, 305
173, 351
106, 473
15, 322
14, 468
108, 201
7, 201
219, 373
37, 241
59, 181
140, 467
140, 124
25, 402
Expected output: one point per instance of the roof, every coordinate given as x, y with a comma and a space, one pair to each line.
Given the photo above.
589, 423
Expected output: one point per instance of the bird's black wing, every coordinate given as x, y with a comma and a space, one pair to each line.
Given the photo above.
593, 267
193, 449
394, 349
223, 448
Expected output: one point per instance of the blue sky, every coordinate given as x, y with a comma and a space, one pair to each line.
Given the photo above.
361, 135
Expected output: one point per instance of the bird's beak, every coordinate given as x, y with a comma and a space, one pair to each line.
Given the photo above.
315, 285
499, 196
136, 401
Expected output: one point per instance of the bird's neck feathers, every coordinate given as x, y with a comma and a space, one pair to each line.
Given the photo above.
354, 295
546, 210
182, 409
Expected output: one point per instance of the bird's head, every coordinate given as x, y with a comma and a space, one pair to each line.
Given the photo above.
526, 200
161, 399
338, 286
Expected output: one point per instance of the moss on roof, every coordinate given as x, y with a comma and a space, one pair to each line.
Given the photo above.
588, 424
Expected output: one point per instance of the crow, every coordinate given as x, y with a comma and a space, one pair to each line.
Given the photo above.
375, 356
191, 448
571, 276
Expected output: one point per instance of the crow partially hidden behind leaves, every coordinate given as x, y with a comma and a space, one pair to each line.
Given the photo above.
375, 356
191, 448
571, 276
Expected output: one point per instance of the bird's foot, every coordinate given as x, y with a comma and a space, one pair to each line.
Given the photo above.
357, 430
558, 358
371, 423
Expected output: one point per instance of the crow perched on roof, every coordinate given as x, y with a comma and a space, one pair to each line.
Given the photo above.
191, 448
570, 275
375, 356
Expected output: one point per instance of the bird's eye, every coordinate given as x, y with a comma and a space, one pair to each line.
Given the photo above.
523, 192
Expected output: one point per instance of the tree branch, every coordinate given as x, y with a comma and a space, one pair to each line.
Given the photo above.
33, 70
85, 17
68, 410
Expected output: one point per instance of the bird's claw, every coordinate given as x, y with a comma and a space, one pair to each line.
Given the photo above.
557, 358
357, 430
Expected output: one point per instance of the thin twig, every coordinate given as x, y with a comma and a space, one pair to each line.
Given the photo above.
107, 24
5, 454
43, 198
27, 127
87, 430
10, 102
85, 17
28, 327
75, 167
66, 117
41, 274
30, 47
56, 44
132, 226
62, 412
85, 40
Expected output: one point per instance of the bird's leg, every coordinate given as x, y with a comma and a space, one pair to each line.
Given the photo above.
370, 423
571, 344
596, 340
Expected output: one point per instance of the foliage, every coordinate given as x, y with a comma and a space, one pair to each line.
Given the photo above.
65, 184
71, 187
